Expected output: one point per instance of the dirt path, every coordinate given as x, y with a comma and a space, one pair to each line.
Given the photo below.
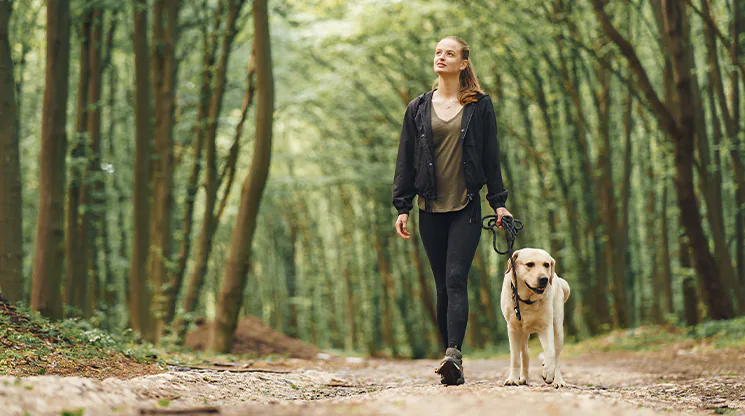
677, 381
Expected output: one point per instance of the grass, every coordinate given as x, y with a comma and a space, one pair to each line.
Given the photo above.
710, 334
32, 345
713, 334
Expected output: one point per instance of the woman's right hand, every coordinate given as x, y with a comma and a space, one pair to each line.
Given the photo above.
401, 226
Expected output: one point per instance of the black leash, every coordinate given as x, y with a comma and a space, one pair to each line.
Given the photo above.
511, 227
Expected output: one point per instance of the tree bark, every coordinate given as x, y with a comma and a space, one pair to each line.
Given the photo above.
196, 279
50, 232
74, 268
231, 293
140, 292
680, 127
163, 76
208, 61
209, 224
91, 188
11, 231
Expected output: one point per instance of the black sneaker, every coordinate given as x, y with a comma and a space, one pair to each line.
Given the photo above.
451, 368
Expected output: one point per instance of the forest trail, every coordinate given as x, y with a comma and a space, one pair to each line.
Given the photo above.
672, 380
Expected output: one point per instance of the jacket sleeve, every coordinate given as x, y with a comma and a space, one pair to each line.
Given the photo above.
496, 193
403, 181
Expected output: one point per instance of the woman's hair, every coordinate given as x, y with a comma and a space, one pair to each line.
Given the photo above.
469, 83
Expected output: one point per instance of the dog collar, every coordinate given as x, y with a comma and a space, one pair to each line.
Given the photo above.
527, 302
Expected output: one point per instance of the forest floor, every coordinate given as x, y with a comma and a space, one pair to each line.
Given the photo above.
71, 369
688, 379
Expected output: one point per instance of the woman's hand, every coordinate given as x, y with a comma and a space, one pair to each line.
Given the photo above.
401, 226
501, 212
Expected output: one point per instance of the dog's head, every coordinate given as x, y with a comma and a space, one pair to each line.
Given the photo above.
534, 267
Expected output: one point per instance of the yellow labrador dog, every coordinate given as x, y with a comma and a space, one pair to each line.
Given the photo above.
541, 297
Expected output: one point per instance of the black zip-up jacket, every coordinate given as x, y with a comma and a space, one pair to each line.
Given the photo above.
415, 171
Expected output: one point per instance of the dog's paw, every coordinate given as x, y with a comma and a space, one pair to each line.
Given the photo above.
511, 381
559, 383
548, 375
523, 381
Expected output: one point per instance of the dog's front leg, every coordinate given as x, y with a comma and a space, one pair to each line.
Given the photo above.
517, 342
546, 336
516, 346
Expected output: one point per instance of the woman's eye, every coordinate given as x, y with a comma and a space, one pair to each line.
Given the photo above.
530, 264
545, 265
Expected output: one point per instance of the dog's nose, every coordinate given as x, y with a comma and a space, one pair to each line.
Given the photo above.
543, 281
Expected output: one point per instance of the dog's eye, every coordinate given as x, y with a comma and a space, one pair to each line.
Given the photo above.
545, 265
530, 264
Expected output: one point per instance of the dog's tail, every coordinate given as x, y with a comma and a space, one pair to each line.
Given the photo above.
563, 285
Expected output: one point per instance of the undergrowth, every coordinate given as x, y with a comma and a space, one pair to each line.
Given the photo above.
32, 345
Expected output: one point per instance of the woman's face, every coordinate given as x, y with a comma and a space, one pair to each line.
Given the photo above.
448, 58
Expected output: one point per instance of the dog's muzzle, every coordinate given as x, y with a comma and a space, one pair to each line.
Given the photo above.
538, 291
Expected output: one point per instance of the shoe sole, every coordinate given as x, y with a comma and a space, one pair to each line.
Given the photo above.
451, 373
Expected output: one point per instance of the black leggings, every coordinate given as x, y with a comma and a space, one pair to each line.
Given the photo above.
450, 240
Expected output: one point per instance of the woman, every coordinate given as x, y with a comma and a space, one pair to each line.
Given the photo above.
448, 151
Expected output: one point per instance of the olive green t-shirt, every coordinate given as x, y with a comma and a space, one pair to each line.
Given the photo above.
449, 175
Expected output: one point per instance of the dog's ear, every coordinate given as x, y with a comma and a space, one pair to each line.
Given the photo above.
551, 273
509, 263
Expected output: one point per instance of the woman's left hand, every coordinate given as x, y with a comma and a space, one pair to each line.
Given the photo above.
501, 212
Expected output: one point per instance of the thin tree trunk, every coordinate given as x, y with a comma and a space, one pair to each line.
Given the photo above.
238, 263
667, 278
680, 128
621, 249
738, 28
210, 50
50, 232
690, 297
425, 291
140, 292
196, 279
74, 262
91, 189
163, 76
11, 231
209, 223
119, 194
384, 268
711, 169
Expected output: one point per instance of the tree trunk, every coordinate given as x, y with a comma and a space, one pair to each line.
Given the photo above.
690, 297
666, 274
91, 190
209, 224
196, 279
425, 289
140, 292
679, 124
11, 232
50, 232
621, 249
711, 169
231, 293
676, 26
163, 76
738, 28
210, 50
74, 269
614, 265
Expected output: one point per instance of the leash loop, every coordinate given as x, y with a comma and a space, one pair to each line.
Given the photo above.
511, 227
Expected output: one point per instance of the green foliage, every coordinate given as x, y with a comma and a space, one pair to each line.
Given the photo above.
717, 334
